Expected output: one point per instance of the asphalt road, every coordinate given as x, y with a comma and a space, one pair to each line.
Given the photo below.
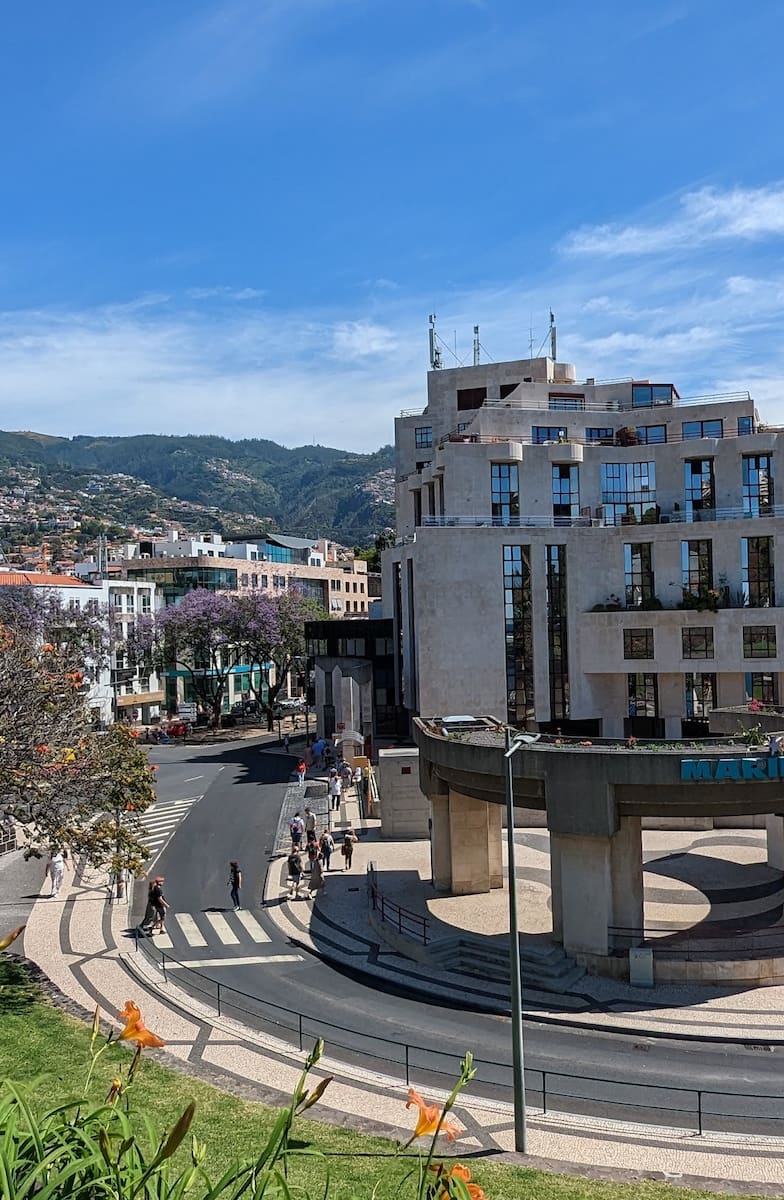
591, 1072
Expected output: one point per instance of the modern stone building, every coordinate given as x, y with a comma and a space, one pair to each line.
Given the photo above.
593, 557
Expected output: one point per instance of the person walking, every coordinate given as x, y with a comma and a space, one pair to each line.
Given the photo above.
296, 829
148, 920
335, 789
294, 862
235, 883
347, 849
55, 870
316, 882
160, 904
286, 740
310, 821
326, 846
301, 770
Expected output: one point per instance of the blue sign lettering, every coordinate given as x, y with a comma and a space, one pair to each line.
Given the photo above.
709, 770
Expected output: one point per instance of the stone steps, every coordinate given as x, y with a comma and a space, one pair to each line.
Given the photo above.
544, 967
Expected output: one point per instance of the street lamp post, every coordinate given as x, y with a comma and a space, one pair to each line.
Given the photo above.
518, 1056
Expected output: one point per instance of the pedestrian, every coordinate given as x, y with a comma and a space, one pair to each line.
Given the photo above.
295, 872
357, 777
160, 904
301, 772
316, 881
335, 789
345, 776
774, 746
313, 853
326, 846
148, 919
286, 743
235, 883
55, 869
347, 849
310, 821
296, 828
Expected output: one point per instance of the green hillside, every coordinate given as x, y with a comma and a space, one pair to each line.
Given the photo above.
308, 491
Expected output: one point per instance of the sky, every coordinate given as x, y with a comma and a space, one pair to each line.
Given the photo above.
234, 216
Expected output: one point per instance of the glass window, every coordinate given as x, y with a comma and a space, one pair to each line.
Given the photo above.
757, 485
699, 487
254, 581
423, 437
244, 580
697, 641
646, 394
566, 491
643, 692
651, 435
697, 568
351, 647
702, 429
638, 643
557, 632
566, 402
629, 492
699, 695
745, 425
265, 581
756, 557
462, 426
759, 641
518, 634
601, 434
548, 433
470, 398
763, 686
384, 646
505, 493
638, 572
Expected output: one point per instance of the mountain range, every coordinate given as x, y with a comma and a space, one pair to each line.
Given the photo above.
308, 491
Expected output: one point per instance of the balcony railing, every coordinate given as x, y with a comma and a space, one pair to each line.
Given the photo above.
653, 516
627, 442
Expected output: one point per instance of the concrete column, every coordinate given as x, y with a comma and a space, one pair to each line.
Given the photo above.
556, 906
440, 841
626, 869
494, 842
583, 879
775, 827
470, 844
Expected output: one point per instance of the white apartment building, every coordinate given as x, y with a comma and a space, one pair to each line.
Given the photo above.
595, 557
116, 689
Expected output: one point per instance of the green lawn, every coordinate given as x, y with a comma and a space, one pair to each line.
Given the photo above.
42, 1046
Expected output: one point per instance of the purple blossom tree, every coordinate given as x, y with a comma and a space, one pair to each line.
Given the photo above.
203, 636
275, 634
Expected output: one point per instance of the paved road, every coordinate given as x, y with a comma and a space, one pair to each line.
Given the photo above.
246, 951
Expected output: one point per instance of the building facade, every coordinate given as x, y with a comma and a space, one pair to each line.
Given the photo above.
585, 556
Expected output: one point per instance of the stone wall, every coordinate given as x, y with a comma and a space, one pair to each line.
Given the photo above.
405, 809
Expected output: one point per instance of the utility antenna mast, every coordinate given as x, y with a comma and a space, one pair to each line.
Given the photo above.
553, 341
476, 345
435, 353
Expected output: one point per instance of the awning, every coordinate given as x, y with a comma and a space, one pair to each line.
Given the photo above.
350, 735
140, 698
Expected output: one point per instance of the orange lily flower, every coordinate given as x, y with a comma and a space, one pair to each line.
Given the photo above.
11, 937
135, 1029
429, 1116
458, 1171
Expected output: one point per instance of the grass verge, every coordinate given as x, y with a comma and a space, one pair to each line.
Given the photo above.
48, 1050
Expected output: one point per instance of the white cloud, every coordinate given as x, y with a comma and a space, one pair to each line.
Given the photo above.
362, 339
707, 215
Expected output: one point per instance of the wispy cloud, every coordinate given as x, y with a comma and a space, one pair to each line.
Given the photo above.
706, 215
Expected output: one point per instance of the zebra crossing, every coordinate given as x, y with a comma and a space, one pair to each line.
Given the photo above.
213, 930
161, 820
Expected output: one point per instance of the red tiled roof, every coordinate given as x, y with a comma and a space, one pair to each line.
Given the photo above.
39, 579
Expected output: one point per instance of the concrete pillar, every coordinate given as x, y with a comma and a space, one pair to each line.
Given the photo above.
775, 827
494, 842
583, 872
470, 844
440, 843
626, 870
596, 884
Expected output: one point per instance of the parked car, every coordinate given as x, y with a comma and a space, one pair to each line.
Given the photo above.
245, 708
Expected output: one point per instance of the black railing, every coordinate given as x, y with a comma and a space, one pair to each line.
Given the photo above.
701, 1110
406, 922
710, 940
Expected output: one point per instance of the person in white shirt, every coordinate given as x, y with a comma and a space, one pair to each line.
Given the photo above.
335, 791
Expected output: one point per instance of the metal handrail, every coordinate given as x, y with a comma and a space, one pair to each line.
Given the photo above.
493, 1079
404, 920
699, 941
548, 521
572, 439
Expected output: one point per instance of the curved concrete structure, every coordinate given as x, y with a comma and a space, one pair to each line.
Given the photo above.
594, 794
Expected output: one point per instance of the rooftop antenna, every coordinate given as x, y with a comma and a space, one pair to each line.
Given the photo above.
530, 337
435, 353
476, 346
553, 342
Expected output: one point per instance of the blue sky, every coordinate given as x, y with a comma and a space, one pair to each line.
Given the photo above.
234, 216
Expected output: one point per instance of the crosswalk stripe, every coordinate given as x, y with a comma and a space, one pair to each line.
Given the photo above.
253, 927
254, 960
224, 931
162, 941
191, 932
